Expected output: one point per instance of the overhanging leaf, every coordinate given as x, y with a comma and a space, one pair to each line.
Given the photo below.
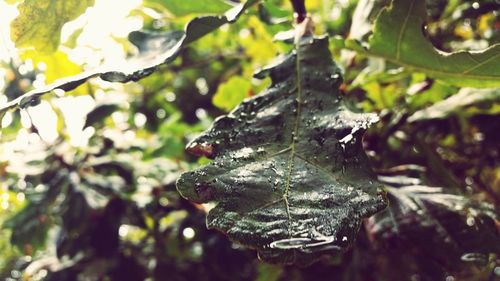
449, 228
155, 49
398, 37
289, 175
40, 22
464, 98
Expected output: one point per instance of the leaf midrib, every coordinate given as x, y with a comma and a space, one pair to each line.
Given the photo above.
294, 137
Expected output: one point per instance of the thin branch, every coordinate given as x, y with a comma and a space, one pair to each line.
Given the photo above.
299, 8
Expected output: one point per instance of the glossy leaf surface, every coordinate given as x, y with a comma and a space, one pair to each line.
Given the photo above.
289, 175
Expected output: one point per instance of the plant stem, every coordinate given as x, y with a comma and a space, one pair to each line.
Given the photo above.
299, 8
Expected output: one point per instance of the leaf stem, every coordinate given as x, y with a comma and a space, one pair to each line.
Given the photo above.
299, 9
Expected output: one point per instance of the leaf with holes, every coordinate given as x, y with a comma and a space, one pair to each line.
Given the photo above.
398, 37
289, 176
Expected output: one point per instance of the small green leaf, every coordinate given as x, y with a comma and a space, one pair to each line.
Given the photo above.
270, 13
464, 98
183, 7
231, 93
398, 37
98, 114
289, 175
40, 22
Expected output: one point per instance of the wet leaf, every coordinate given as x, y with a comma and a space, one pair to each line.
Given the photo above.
155, 49
398, 37
231, 93
466, 97
40, 22
440, 225
289, 175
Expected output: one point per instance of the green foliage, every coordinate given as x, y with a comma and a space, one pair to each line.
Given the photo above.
88, 167
148, 60
231, 93
39, 23
466, 97
398, 37
182, 7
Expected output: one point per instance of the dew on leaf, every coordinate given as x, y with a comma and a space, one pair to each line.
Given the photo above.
298, 218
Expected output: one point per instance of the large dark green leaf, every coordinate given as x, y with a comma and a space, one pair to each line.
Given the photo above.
398, 37
40, 22
289, 175
155, 49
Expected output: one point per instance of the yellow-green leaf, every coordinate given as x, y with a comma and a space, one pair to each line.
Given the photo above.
183, 7
40, 22
231, 93
57, 64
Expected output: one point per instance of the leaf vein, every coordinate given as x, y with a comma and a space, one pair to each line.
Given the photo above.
402, 31
481, 63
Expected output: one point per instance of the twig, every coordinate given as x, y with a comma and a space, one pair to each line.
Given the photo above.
299, 8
